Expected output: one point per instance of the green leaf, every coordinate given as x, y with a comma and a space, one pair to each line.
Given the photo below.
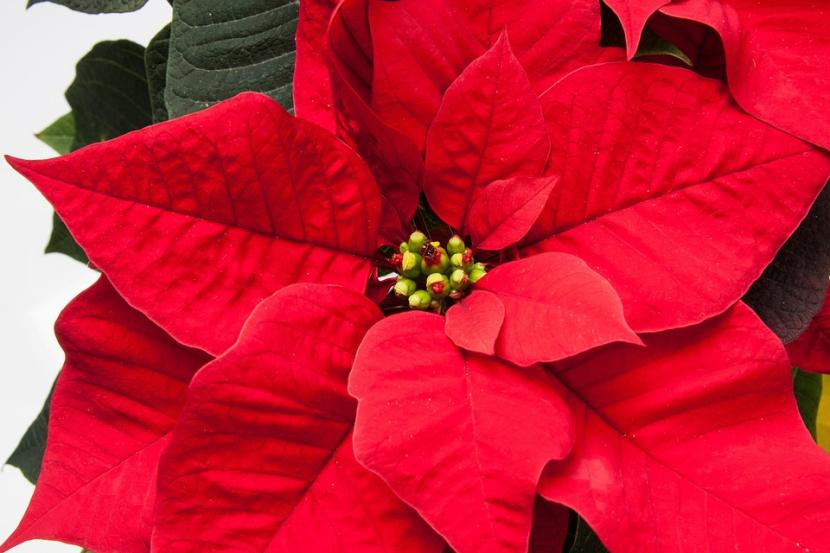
29, 452
155, 59
60, 134
219, 49
109, 96
95, 6
808, 388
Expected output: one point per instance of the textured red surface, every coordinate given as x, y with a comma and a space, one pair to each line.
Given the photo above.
261, 458
117, 399
504, 211
459, 436
313, 98
474, 324
677, 219
695, 439
196, 220
417, 55
555, 306
490, 126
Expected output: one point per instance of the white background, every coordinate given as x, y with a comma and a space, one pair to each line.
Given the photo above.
38, 51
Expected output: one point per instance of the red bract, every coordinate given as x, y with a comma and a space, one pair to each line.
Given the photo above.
116, 402
693, 439
811, 350
197, 220
600, 200
776, 54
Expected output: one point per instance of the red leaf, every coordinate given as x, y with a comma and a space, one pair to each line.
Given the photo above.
677, 221
776, 58
633, 15
811, 350
117, 398
198, 219
261, 459
474, 323
695, 439
460, 437
555, 307
550, 527
421, 46
503, 212
393, 158
312, 85
490, 126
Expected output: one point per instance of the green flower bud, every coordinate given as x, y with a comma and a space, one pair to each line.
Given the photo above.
411, 265
416, 240
437, 263
405, 287
459, 279
420, 300
476, 275
456, 245
438, 285
457, 260
478, 267
404, 247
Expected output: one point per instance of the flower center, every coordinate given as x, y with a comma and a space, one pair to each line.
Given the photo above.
431, 275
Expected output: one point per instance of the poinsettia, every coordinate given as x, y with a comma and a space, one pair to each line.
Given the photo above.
234, 382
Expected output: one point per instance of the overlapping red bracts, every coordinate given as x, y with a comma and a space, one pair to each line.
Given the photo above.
118, 397
625, 195
776, 54
694, 439
196, 220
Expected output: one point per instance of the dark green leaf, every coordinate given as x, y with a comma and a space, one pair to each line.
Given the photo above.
791, 290
29, 452
60, 134
219, 49
808, 389
109, 96
95, 6
155, 58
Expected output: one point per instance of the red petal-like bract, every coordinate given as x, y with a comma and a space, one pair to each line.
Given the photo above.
394, 159
459, 436
503, 212
666, 189
776, 58
313, 100
117, 398
421, 46
555, 307
694, 441
198, 219
633, 15
811, 350
261, 459
490, 126
474, 324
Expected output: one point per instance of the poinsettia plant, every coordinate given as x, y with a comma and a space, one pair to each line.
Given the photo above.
510, 273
